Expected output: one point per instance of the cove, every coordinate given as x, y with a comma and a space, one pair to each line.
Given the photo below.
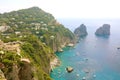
89, 58
95, 58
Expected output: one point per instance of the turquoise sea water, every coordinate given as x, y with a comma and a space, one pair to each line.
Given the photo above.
98, 56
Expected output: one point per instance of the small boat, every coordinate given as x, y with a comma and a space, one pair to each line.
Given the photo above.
94, 76
84, 78
118, 48
87, 71
77, 75
86, 59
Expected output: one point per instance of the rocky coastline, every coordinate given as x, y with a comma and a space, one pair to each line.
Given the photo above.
54, 63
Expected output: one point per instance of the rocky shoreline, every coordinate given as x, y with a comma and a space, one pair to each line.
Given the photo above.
54, 63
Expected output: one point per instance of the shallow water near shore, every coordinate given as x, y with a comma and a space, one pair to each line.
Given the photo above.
95, 58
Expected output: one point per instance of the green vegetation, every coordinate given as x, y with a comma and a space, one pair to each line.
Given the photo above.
39, 54
41, 35
35, 21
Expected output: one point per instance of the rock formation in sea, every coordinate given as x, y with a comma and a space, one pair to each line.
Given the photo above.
69, 69
81, 31
104, 30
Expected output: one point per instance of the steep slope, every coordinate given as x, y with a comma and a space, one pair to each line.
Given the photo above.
32, 62
38, 22
29, 38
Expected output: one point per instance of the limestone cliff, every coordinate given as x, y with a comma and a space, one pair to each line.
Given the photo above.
32, 62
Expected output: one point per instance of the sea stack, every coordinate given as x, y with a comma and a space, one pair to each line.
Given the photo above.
103, 31
81, 31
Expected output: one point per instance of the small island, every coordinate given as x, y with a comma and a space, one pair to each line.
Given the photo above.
69, 69
81, 31
103, 31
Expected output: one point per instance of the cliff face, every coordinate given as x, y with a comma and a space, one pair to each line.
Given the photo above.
2, 76
104, 30
81, 31
17, 72
38, 36
32, 62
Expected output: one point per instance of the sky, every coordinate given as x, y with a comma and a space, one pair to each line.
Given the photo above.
68, 8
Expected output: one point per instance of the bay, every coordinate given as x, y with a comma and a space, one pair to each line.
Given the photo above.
95, 58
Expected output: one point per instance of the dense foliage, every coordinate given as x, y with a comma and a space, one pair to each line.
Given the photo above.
40, 55
35, 21
40, 35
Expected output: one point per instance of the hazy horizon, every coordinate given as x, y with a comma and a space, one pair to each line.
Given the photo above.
72, 24
95, 9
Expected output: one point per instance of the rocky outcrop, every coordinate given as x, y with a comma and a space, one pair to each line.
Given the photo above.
2, 77
81, 31
26, 72
54, 63
104, 30
70, 45
69, 69
4, 28
18, 72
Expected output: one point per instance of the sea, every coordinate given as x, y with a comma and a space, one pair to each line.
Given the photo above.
94, 57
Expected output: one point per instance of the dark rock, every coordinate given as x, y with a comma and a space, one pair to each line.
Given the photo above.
81, 31
103, 31
118, 48
69, 69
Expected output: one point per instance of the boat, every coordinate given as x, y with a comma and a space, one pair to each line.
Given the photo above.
84, 78
94, 76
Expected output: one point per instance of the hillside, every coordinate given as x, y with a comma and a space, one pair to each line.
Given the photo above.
29, 38
36, 21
